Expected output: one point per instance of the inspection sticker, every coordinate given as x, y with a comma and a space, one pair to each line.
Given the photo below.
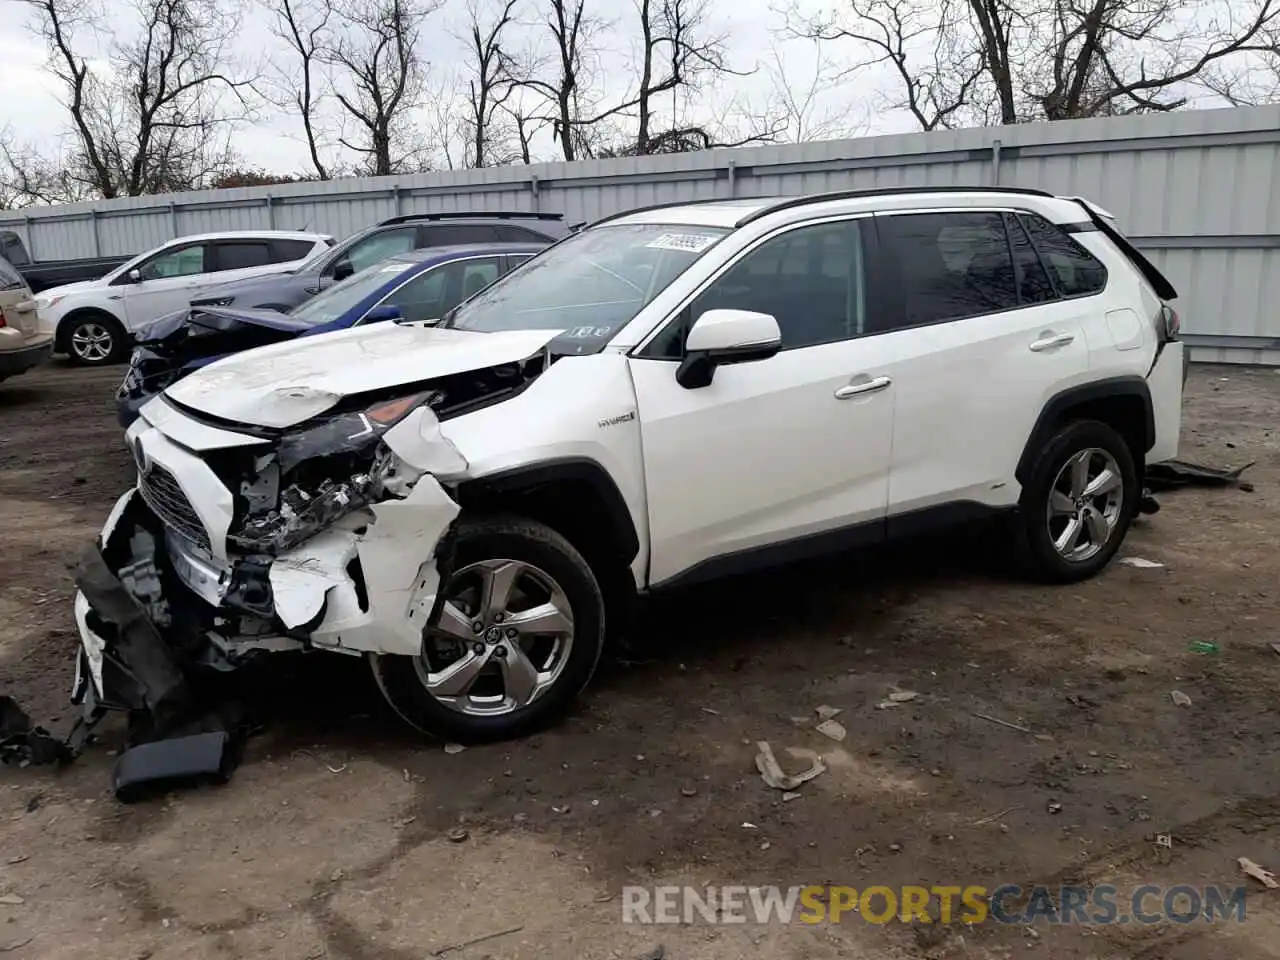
688, 242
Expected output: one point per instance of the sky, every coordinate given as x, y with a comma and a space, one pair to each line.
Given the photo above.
30, 107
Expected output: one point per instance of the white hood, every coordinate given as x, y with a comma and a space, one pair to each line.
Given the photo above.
66, 288
287, 383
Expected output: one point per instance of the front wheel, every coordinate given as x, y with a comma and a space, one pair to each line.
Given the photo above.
95, 339
1077, 504
518, 636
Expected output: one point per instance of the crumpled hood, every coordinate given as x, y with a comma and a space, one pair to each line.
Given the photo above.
286, 383
289, 289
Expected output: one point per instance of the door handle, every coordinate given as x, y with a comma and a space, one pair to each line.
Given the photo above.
1048, 343
851, 390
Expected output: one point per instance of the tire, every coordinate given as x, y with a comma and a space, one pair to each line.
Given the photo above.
1038, 523
82, 337
539, 552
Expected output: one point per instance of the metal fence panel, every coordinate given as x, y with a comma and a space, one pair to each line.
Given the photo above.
1197, 190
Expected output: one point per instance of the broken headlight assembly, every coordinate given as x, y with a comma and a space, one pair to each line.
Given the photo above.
320, 473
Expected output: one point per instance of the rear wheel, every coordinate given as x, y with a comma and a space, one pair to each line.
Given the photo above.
1078, 502
94, 339
519, 635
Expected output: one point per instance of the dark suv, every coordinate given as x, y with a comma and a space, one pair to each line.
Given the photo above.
414, 231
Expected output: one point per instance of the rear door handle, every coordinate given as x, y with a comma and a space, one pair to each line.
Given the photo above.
1048, 343
866, 386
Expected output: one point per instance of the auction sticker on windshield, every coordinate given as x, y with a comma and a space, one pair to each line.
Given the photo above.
688, 242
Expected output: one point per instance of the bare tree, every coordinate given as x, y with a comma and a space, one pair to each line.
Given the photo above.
304, 26
1008, 61
572, 32
808, 107
677, 51
160, 117
493, 72
378, 79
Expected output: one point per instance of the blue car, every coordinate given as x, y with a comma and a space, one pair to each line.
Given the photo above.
413, 287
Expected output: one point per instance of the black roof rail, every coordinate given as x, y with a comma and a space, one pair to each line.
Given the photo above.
881, 192
661, 206
473, 215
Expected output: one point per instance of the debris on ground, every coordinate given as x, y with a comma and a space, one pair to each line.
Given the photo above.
12, 900
453, 748
474, 940
771, 772
1054, 806
457, 835
10, 947
1003, 723
825, 712
328, 766
1173, 474
1275, 646
994, 817
833, 729
747, 825
1259, 873
1141, 563
22, 744
658, 952
1179, 698
688, 790
1202, 646
896, 699
790, 795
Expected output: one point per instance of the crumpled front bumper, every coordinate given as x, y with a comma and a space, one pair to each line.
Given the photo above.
366, 584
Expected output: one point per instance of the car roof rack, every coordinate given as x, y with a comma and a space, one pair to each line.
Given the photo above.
473, 215
881, 192
665, 206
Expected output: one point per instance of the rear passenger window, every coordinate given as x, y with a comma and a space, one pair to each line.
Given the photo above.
520, 235
950, 265
239, 255
1033, 281
449, 234
1075, 271
285, 250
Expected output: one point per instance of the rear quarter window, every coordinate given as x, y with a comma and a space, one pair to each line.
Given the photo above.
282, 251
1074, 270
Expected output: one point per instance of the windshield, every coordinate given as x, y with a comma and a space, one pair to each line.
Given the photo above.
591, 284
341, 297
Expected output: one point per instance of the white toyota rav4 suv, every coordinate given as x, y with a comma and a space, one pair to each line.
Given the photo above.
92, 320
672, 394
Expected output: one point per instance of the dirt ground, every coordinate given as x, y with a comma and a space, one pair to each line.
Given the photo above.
333, 838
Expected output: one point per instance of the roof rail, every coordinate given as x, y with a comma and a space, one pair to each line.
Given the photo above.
473, 215
657, 206
881, 192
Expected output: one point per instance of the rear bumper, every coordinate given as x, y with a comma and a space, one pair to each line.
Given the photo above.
1165, 383
20, 359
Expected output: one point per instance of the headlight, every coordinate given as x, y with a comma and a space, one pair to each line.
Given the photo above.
350, 432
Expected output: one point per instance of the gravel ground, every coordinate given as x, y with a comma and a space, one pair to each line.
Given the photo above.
342, 836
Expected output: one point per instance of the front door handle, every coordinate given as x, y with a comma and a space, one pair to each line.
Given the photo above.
866, 386
1049, 342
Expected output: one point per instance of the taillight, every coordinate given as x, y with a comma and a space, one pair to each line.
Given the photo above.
1170, 322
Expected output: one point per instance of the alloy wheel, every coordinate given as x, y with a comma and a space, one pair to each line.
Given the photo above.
92, 342
1085, 504
502, 640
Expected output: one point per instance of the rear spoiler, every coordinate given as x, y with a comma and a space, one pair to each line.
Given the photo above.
1105, 223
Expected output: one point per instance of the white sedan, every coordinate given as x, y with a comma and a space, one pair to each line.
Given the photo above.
92, 322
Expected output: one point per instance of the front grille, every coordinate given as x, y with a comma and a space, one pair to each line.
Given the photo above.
163, 495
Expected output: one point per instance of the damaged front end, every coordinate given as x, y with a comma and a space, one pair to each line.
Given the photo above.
175, 345
240, 541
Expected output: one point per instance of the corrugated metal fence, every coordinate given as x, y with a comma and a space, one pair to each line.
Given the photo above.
1196, 190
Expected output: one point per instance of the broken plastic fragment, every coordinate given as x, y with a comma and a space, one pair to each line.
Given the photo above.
417, 441
771, 773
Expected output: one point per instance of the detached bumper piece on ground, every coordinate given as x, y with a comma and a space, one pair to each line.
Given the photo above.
175, 736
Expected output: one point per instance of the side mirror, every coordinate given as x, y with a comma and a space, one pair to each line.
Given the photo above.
342, 269
135, 275
726, 336
383, 312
